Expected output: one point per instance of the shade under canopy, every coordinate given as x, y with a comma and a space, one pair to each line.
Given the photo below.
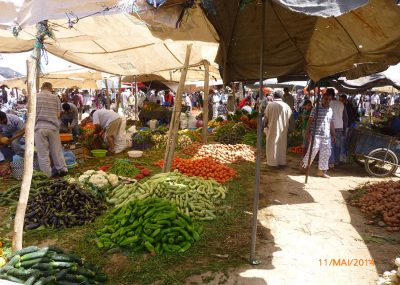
296, 43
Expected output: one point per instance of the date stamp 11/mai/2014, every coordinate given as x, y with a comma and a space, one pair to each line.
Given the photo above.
343, 262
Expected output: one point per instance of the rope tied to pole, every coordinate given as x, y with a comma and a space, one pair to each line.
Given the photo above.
43, 31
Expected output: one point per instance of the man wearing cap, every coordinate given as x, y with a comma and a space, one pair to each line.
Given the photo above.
277, 115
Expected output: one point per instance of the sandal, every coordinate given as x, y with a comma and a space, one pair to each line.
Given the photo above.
323, 174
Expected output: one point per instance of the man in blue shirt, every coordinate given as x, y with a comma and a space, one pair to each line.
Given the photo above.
11, 129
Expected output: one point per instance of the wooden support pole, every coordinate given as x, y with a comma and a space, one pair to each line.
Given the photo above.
174, 125
205, 101
107, 94
118, 101
33, 64
231, 99
136, 100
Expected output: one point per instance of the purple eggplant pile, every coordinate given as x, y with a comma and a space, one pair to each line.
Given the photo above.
62, 205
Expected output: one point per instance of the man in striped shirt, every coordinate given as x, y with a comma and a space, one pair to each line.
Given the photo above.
47, 132
324, 132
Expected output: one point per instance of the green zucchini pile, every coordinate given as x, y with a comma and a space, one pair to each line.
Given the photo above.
61, 205
11, 196
49, 265
194, 196
152, 224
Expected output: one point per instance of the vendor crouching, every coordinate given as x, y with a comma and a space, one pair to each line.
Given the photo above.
12, 128
69, 119
107, 123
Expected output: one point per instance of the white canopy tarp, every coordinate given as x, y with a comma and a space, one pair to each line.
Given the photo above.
29, 12
196, 73
117, 43
79, 78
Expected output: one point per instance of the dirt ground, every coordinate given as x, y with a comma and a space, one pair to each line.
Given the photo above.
308, 229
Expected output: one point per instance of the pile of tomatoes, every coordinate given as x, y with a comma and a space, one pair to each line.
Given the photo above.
204, 167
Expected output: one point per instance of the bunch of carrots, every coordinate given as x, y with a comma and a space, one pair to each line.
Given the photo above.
204, 167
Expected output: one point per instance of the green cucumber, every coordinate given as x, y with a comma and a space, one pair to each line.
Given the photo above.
31, 262
34, 255
23, 251
12, 278
30, 280
14, 260
40, 281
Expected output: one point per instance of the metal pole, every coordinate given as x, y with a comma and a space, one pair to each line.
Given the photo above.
313, 135
253, 260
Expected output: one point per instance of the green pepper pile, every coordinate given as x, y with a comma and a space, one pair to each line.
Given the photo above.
122, 167
152, 224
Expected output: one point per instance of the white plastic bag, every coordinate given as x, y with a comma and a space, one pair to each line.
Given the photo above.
121, 140
183, 122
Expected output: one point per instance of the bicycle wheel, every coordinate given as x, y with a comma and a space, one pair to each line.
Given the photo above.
385, 165
359, 159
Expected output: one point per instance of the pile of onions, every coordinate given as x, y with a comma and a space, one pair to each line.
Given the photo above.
223, 153
382, 201
192, 149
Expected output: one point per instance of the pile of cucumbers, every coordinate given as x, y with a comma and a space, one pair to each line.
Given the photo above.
10, 197
152, 224
49, 265
194, 196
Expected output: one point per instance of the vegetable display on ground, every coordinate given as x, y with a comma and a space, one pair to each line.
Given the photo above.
61, 205
125, 168
49, 265
196, 197
230, 133
152, 224
391, 277
223, 153
96, 181
381, 201
10, 197
205, 167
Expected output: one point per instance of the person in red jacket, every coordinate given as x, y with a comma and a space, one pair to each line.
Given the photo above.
244, 101
169, 99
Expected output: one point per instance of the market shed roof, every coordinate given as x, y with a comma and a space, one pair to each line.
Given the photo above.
356, 37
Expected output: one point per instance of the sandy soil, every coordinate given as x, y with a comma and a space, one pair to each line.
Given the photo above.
309, 228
